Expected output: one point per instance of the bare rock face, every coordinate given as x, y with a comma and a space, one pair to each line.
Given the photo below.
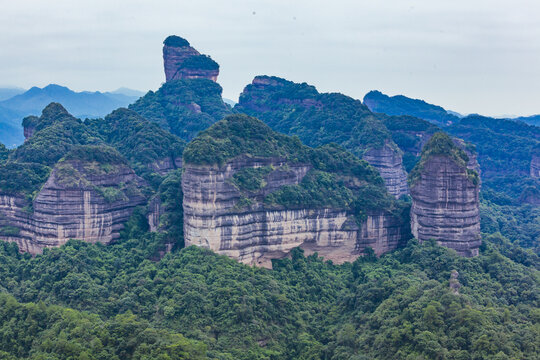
29, 126
445, 203
218, 217
390, 165
80, 200
181, 61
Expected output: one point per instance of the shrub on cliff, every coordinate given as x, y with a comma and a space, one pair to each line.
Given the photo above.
199, 62
440, 144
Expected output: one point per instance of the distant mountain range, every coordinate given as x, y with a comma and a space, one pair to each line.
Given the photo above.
81, 104
402, 105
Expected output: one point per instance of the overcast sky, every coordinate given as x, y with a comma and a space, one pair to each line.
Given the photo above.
467, 55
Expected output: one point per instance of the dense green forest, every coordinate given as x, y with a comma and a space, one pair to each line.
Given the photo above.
316, 118
397, 306
184, 107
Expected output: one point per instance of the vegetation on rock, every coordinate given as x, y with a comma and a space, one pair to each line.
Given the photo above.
175, 41
184, 107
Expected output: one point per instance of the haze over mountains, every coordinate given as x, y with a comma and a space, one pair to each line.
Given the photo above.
16, 104
378, 102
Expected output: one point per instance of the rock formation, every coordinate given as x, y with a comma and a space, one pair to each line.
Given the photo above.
221, 215
29, 125
82, 200
390, 165
444, 191
214, 218
454, 282
181, 61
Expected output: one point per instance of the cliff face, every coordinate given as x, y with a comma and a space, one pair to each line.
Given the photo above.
217, 216
390, 165
78, 201
181, 61
445, 203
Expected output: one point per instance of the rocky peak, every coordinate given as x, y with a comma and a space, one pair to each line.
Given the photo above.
445, 204
254, 194
181, 61
88, 196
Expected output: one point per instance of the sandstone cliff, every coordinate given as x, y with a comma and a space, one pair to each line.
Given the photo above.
215, 217
181, 61
390, 165
445, 203
228, 207
83, 200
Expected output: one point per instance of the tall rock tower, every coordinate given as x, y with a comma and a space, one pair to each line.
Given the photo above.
444, 192
181, 61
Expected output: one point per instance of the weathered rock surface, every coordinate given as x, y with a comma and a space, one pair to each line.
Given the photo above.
88, 204
178, 58
215, 218
390, 165
445, 206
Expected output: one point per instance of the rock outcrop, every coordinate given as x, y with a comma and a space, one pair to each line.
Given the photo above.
214, 218
29, 125
80, 200
445, 204
231, 208
390, 165
181, 61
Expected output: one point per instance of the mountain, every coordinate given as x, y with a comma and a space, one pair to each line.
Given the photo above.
254, 194
122, 240
6, 93
190, 100
531, 120
323, 118
402, 105
80, 104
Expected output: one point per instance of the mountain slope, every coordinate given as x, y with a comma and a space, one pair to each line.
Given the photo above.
402, 105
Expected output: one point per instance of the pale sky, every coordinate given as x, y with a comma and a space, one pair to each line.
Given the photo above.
469, 56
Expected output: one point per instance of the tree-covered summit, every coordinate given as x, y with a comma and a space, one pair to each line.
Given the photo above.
184, 107
200, 62
175, 41
316, 118
441, 144
329, 183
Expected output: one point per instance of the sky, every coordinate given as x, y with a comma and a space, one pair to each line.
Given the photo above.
470, 56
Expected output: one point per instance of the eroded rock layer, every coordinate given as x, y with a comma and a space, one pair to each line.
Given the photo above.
216, 216
78, 201
390, 165
445, 206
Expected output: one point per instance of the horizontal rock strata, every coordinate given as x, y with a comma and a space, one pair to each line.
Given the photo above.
92, 209
215, 218
390, 165
445, 206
